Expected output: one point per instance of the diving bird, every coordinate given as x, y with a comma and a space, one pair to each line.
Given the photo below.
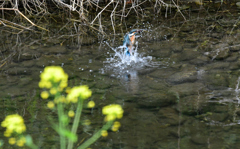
129, 40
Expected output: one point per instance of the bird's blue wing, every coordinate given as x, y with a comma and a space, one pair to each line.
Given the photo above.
127, 51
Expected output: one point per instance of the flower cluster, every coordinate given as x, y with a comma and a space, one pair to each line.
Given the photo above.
76, 92
55, 79
14, 124
53, 75
14, 127
112, 112
116, 126
20, 142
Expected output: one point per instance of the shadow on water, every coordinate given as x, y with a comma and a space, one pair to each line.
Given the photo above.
180, 89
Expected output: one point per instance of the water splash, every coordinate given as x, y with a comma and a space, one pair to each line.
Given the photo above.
119, 60
237, 90
127, 68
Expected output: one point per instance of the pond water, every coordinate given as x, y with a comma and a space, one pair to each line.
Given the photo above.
180, 90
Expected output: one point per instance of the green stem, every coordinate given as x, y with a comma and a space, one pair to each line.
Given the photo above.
33, 146
30, 143
61, 125
76, 121
96, 136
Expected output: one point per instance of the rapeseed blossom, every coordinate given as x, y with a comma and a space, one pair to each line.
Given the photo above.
104, 133
44, 95
21, 141
91, 104
12, 140
76, 92
50, 105
112, 112
52, 75
14, 124
71, 113
116, 126
61, 99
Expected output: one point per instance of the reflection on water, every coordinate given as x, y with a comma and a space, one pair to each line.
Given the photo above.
130, 81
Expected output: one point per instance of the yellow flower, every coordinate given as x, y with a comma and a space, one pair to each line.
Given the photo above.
71, 113
12, 141
53, 74
21, 141
45, 84
78, 91
116, 126
13, 123
63, 84
7, 133
50, 105
60, 99
104, 133
112, 112
68, 89
91, 104
53, 91
44, 95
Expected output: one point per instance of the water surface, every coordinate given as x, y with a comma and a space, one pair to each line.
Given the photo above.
179, 90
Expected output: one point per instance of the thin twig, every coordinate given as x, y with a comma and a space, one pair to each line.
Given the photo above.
101, 11
112, 17
24, 17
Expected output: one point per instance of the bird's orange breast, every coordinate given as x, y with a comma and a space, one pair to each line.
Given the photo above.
132, 39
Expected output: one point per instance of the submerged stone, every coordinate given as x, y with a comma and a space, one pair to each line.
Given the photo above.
192, 105
218, 65
163, 73
233, 57
171, 116
200, 60
219, 117
199, 138
161, 99
186, 55
219, 54
177, 48
157, 85
183, 77
187, 89
216, 80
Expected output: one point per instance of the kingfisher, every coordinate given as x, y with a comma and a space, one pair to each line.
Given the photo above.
129, 40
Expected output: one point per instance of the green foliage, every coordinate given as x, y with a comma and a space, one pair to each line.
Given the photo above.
54, 81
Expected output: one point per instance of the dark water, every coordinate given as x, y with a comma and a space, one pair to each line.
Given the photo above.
183, 92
